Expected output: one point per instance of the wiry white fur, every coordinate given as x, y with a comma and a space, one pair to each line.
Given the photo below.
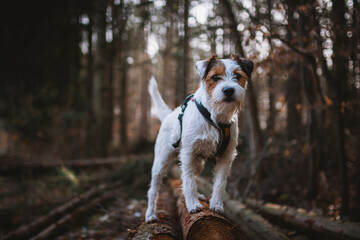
162, 109
199, 141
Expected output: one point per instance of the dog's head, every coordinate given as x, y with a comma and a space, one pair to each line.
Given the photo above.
224, 81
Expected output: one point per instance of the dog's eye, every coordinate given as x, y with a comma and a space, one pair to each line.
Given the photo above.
238, 76
216, 78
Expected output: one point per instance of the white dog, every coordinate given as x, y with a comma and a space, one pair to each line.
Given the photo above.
208, 127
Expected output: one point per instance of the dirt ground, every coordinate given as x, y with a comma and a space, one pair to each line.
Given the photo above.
113, 222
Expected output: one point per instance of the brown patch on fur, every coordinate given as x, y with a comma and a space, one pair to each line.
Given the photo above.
242, 81
246, 65
210, 63
217, 68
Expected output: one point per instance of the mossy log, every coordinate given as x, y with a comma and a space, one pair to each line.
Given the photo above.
166, 227
205, 224
309, 222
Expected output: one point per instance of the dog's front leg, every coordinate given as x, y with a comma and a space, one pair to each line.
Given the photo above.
161, 164
221, 173
189, 185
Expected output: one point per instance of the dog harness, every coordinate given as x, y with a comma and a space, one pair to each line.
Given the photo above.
224, 129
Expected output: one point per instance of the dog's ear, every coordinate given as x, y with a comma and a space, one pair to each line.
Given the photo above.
246, 65
203, 67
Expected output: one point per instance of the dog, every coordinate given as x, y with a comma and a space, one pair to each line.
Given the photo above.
197, 130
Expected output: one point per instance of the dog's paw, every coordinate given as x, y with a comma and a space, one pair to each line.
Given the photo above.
195, 208
150, 218
201, 197
150, 215
217, 208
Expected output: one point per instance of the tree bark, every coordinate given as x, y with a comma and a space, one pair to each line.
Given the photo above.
186, 47
167, 225
123, 102
205, 224
143, 132
99, 78
168, 85
339, 86
89, 86
272, 112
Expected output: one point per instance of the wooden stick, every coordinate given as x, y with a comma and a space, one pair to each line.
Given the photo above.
167, 226
204, 224
318, 226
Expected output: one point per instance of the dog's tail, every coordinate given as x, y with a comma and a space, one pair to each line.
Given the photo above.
162, 109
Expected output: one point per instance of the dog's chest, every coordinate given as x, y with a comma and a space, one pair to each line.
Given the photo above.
206, 144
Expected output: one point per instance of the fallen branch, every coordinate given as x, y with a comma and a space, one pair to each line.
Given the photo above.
204, 224
252, 225
318, 226
65, 222
167, 226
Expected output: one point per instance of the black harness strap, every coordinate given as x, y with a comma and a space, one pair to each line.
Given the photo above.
224, 129
180, 117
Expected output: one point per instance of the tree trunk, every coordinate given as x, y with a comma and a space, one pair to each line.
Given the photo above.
109, 90
205, 224
167, 226
182, 54
235, 35
168, 86
272, 112
339, 86
123, 103
99, 77
293, 119
89, 138
143, 132
186, 47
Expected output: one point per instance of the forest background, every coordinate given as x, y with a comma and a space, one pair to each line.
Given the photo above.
74, 78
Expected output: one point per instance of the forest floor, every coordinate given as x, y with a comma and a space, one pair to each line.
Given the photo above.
31, 193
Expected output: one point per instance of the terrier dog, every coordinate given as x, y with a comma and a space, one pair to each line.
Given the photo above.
208, 127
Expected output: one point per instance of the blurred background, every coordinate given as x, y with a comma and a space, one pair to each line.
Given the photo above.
74, 78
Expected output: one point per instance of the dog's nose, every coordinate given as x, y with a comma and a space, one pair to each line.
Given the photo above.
228, 91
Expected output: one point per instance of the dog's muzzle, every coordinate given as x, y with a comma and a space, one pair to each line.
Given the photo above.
228, 92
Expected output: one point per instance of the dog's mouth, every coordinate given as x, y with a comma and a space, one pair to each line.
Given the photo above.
229, 99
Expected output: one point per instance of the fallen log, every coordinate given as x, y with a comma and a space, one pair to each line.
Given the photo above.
28, 230
15, 164
252, 225
66, 221
308, 222
205, 224
167, 226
